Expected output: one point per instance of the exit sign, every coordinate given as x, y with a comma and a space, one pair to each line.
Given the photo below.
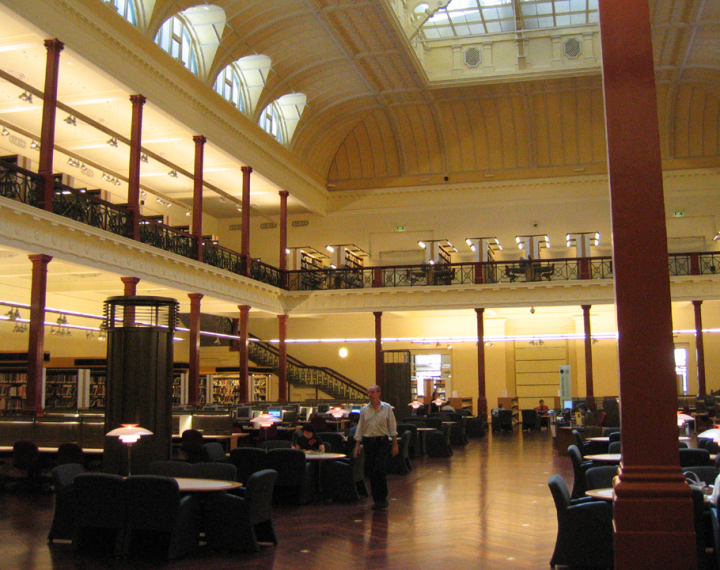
400, 228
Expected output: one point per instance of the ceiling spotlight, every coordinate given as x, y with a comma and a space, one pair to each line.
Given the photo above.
188, 213
143, 193
144, 157
89, 335
173, 174
239, 208
35, 145
112, 141
25, 96
5, 132
532, 310
222, 199
71, 120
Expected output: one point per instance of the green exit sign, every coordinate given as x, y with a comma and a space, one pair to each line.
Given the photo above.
679, 214
400, 228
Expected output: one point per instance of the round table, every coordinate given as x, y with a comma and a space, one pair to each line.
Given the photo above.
605, 457
604, 494
600, 438
319, 456
188, 485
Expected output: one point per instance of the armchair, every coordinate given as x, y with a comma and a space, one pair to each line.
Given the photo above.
585, 530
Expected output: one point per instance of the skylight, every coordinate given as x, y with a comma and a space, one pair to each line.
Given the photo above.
467, 18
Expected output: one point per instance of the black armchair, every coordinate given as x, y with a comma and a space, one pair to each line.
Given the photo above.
600, 477
64, 517
100, 514
400, 463
585, 530
213, 452
694, 457
235, 523
160, 524
530, 420
248, 460
580, 467
295, 482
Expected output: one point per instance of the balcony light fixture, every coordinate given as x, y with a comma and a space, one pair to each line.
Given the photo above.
112, 141
5, 132
25, 96
35, 145
173, 174
144, 158
71, 120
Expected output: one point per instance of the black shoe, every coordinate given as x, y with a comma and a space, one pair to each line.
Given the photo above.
380, 505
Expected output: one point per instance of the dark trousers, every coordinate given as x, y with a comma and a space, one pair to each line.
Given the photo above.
377, 451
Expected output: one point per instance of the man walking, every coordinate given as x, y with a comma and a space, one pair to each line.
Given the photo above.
374, 430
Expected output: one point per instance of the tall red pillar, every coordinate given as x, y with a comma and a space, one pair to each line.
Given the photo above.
47, 130
482, 396
653, 511
133, 204
244, 354
197, 231
378, 349
282, 363
589, 383
129, 290
245, 233
194, 372
699, 348
283, 235
36, 342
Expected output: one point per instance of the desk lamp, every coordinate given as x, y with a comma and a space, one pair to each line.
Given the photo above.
415, 405
438, 401
129, 434
265, 421
338, 412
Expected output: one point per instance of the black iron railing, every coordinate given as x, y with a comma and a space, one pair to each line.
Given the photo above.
91, 210
327, 380
19, 184
164, 237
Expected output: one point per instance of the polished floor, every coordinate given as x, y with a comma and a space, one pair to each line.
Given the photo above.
488, 507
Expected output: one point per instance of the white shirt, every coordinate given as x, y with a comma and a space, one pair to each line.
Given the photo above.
376, 423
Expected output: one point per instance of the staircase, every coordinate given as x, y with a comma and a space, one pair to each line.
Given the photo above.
333, 383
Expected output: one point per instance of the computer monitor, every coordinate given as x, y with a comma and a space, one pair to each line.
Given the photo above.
305, 412
256, 413
568, 404
355, 409
243, 413
275, 412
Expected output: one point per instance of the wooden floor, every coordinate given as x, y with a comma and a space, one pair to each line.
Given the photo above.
488, 507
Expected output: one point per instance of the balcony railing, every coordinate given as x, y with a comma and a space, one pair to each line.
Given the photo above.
91, 210
166, 238
22, 185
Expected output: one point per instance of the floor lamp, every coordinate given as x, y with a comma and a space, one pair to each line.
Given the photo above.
129, 434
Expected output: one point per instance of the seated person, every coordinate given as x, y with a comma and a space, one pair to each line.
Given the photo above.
447, 408
587, 416
542, 408
308, 441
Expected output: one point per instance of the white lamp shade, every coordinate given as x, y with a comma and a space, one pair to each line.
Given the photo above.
438, 401
265, 420
710, 434
415, 404
338, 413
129, 433
682, 418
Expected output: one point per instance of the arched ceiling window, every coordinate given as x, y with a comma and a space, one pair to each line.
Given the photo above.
242, 81
280, 118
193, 36
462, 18
126, 8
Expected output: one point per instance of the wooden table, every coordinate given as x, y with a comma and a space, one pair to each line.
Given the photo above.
601, 439
319, 456
423, 432
188, 485
604, 494
605, 457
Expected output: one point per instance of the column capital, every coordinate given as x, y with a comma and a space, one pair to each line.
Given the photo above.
195, 296
246, 169
54, 45
40, 257
284, 193
199, 139
138, 99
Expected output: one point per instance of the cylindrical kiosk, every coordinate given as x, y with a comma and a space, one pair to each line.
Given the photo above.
139, 379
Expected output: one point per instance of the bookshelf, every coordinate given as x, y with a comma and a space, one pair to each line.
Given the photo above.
61, 387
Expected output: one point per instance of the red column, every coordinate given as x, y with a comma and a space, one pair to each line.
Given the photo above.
283, 234
47, 130
482, 396
197, 231
245, 245
699, 348
133, 204
589, 385
282, 364
653, 510
36, 343
130, 290
378, 349
194, 373
243, 353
